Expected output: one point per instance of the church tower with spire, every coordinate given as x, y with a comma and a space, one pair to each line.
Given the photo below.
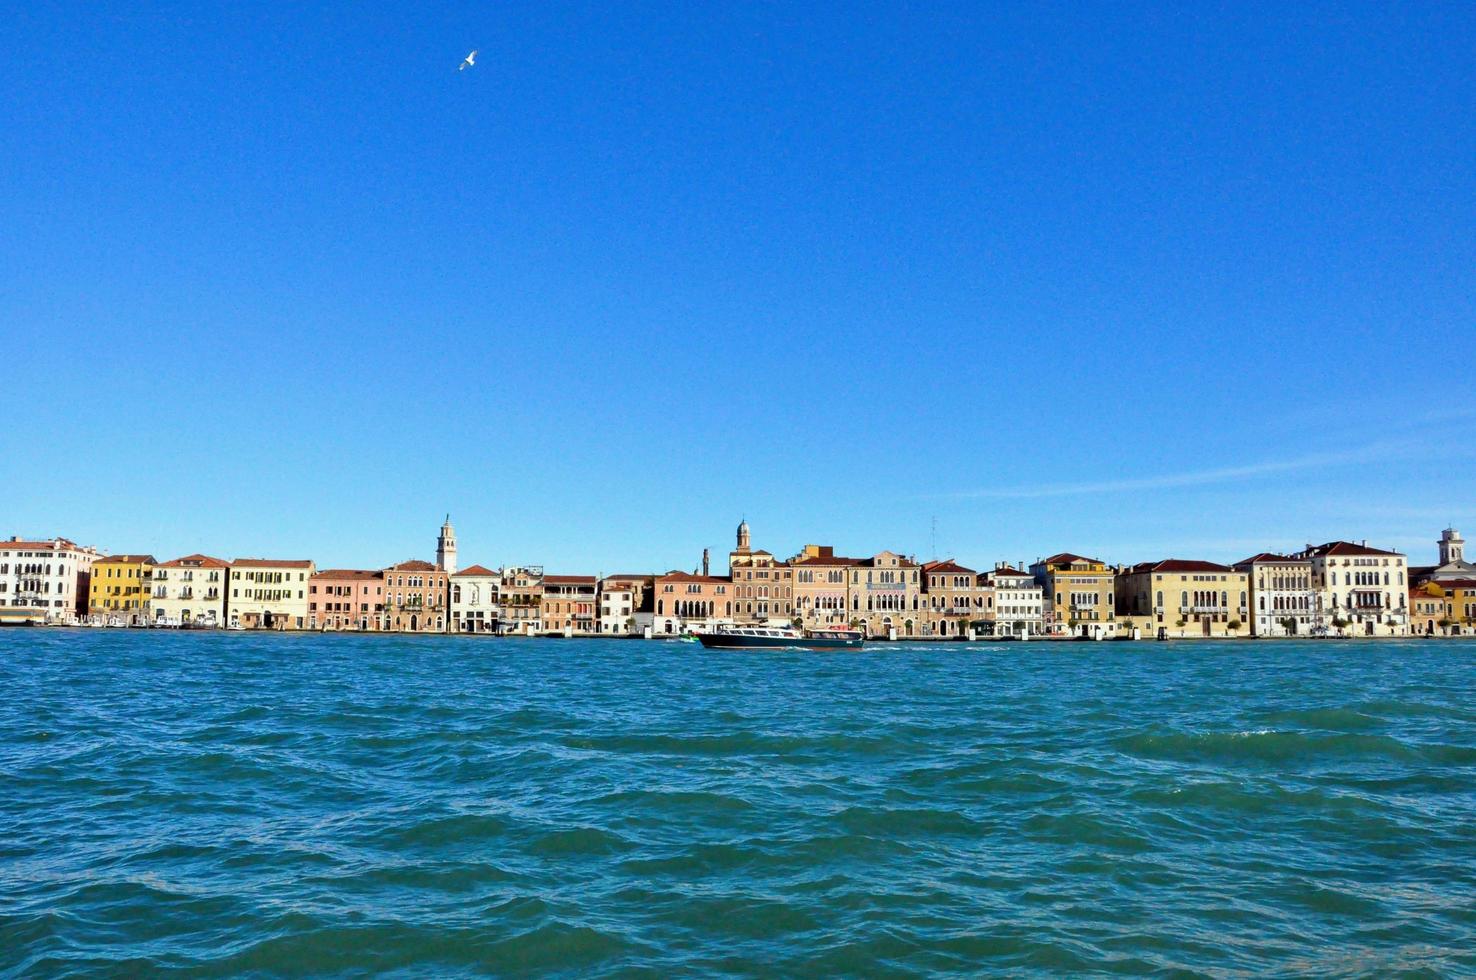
1452, 546
446, 548
743, 547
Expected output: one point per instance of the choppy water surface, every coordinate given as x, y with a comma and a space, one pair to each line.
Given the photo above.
308, 804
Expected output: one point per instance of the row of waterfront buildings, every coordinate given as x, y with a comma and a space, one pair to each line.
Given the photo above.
1340, 587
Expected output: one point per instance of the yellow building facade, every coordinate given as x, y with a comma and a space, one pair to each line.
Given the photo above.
1183, 598
119, 588
1079, 595
1443, 608
1460, 603
269, 593
1427, 610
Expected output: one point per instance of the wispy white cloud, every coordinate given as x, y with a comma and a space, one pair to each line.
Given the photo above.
1374, 452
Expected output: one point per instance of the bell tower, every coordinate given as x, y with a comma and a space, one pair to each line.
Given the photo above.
446, 548
1452, 546
743, 537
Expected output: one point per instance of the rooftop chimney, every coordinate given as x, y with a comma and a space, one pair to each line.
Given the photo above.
704, 562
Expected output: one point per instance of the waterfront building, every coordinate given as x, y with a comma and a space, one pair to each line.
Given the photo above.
475, 600
268, 593
885, 594
952, 599
1460, 604
568, 604
1427, 610
1360, 589
189, 591
1179, 597
1453, 565
763, 587
521, 595
119, 588
44, 581
1445, 607
446, 548
685, 601
1014, 605
1283, 601
345, 599
821, 586
415, 598
1079, 594
627, 604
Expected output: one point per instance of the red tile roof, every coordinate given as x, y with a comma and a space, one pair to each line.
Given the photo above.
1178, 565
474, 570
54, 544
1342, 548
345, 573
1067, 558
414, 565
127, 559
271, 563
1269, 557
569, 580
825, 560
946, 566
196, 561
678, 576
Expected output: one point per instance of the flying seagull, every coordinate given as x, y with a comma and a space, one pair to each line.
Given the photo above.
468, 61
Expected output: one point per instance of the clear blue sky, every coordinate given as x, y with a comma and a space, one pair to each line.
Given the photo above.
1129, 280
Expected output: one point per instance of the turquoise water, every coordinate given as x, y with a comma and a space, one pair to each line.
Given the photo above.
308, 804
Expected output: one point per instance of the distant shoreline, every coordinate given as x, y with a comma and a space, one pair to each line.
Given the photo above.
673, 639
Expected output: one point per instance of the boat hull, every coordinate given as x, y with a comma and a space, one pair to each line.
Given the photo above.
721, 641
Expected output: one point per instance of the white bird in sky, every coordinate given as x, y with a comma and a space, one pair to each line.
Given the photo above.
468, 61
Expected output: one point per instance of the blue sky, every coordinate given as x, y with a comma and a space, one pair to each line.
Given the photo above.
1137, 281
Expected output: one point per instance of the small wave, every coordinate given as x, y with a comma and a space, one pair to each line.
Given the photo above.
579, 841
460, 828
1266, 745
906, 822
1328, 719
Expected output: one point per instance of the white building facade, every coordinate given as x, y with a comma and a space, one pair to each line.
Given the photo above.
1018, 602
625, 605
44, 581
189, 591
1283, 601
475, 600
1366, 589
269, 593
